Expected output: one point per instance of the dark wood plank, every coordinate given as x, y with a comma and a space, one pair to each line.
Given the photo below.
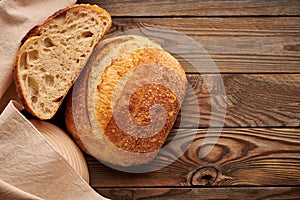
198, 8
284, 193
243, 157
247, 45
251, 100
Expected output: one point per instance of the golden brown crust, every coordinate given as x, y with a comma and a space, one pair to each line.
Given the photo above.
148, 76
35, 32
139, 107
71, 123
113, 74
142, 99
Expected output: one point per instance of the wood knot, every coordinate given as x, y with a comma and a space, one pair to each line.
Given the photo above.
212, 153
204, 176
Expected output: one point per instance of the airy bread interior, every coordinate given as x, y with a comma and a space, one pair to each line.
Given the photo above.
52, 57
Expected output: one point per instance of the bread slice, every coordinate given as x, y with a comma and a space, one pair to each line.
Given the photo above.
109, 110
53, 54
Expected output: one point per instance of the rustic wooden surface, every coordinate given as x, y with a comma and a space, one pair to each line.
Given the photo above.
248, 193
252, 100
236, 45
256, 156
198, 8
256, 46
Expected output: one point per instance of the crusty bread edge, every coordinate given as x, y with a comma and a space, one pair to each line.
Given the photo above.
86, 138
82, 85
33, 32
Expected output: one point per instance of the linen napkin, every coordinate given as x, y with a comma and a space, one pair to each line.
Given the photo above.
30, 168
17, 17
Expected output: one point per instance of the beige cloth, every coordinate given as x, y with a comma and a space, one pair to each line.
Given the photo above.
8, 192
17, 17
30, 168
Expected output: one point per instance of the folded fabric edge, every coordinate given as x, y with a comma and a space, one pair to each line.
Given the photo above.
10, 192
17, 107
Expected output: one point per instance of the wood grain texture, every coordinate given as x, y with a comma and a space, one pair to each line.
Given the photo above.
234, 45
284, 193
198, 8
252, 100
241, 157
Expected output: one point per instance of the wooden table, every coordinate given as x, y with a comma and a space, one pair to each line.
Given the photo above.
256, 46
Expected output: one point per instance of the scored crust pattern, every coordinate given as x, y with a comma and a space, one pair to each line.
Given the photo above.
141, 98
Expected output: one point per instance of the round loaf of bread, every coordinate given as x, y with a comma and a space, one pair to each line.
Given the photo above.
126, 100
